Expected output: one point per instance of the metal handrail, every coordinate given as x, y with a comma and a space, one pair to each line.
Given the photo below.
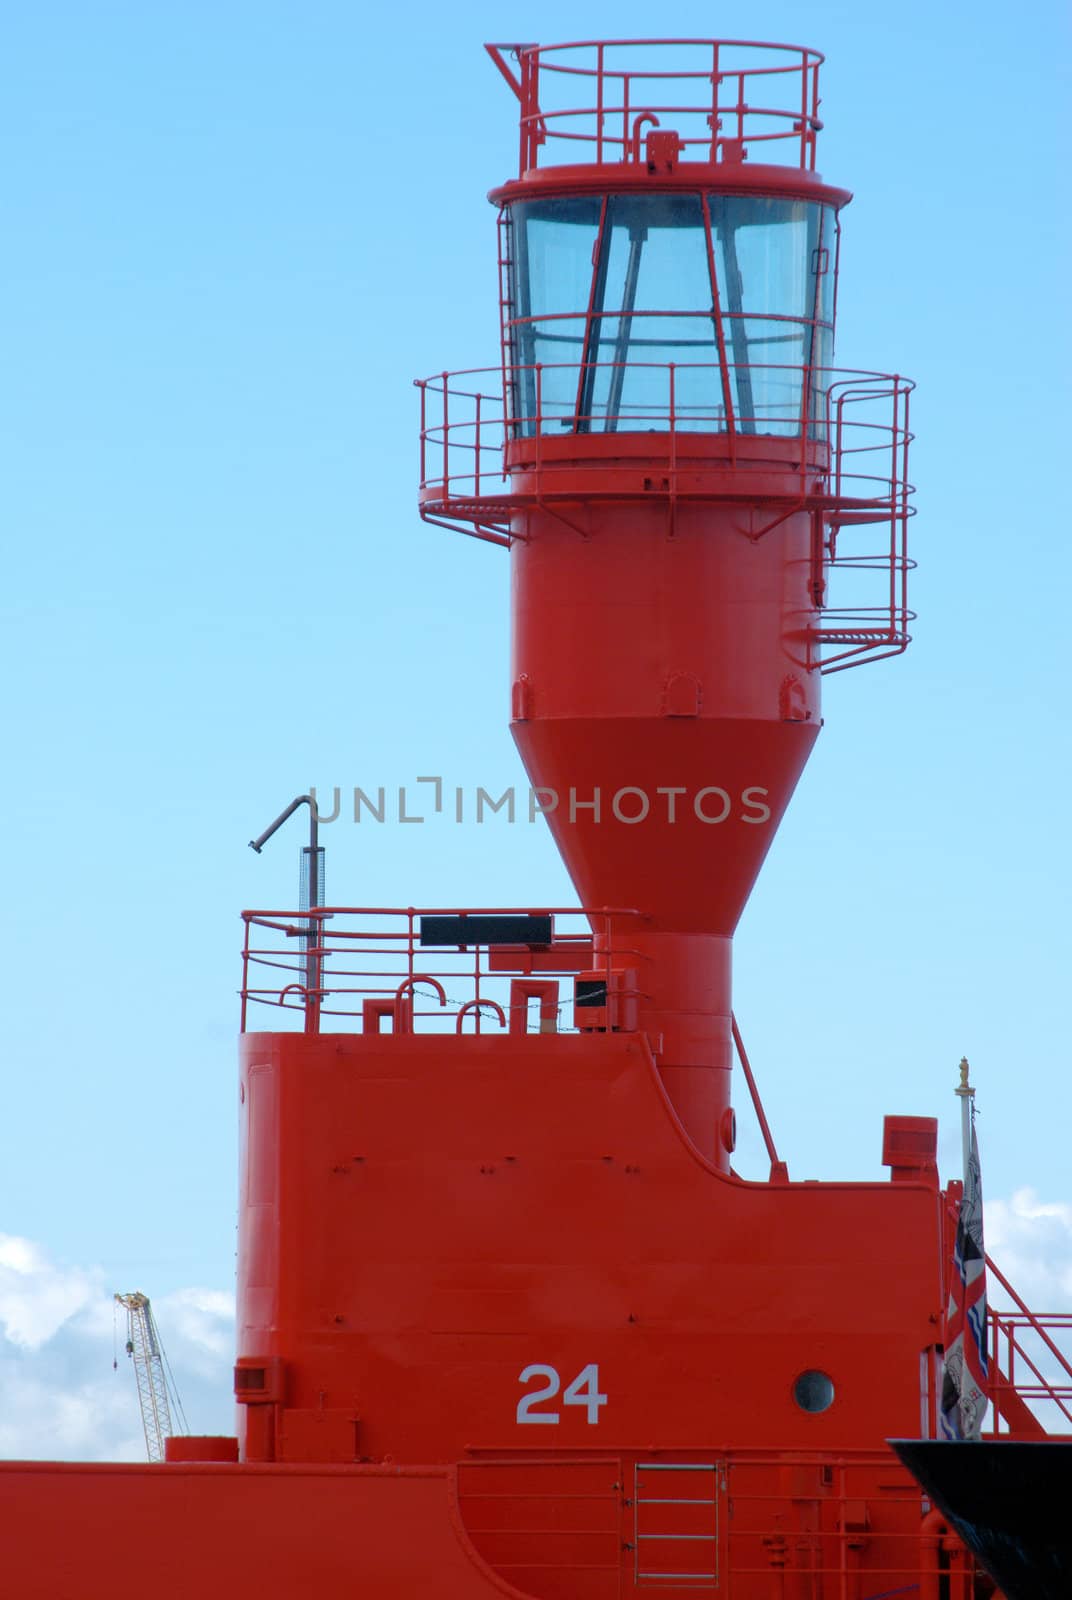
1007, 1325
379, 958
466, 432
1030, 1317
740, 1517
590, 101
840, 452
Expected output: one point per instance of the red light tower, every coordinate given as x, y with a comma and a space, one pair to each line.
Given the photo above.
672, 458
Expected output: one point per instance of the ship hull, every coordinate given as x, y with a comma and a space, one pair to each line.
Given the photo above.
1008, 1500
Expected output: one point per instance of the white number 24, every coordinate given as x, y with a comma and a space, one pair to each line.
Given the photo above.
583, 1391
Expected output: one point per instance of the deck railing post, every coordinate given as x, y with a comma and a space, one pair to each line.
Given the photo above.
477, 475
245, 971
422, 386
539, 414
599, 102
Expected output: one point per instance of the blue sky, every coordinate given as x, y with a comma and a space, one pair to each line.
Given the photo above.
234, 236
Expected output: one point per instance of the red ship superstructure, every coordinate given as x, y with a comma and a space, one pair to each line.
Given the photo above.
509, 1322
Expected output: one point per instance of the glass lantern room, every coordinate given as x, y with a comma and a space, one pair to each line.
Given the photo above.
638, 313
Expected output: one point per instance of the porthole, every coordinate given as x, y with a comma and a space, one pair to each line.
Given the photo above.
814, 1391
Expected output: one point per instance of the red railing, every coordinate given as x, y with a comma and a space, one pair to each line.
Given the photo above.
855, 423
840, 1524
1030, 1353
835, 445
869, 488
369, 963
1027, 1364
853, 1525
725, 99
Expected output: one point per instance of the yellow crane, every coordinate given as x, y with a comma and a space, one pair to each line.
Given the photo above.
161, 1408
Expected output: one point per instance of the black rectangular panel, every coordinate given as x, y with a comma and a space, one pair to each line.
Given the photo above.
486, 930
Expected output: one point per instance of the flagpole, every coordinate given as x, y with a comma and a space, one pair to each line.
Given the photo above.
973, 1374
966, 1095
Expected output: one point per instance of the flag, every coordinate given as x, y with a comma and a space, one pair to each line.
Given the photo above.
964, 1379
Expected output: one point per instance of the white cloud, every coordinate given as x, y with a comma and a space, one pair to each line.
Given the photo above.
61, 1398
37, 1298
200, 1330
1031, 1241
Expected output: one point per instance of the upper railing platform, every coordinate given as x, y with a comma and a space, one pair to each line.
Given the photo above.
439, 970
836, 447
726, 100
837, 441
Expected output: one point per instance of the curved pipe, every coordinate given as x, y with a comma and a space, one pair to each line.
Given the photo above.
406, 987
476, 1006
299, 800
404, 995
293, 988
638, 122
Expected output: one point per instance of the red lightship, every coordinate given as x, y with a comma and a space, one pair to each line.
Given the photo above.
509, 1323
